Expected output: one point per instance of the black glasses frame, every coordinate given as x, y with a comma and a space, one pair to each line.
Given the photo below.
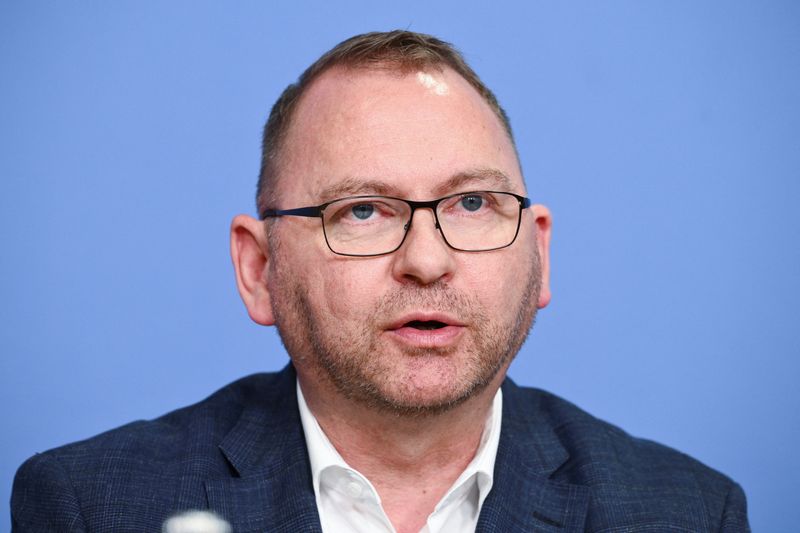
319, 211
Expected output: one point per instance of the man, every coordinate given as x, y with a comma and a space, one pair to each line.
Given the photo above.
403, 264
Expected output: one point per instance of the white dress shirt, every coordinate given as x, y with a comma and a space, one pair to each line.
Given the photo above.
348, 503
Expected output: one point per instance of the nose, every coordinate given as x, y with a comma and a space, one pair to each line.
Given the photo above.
424, 257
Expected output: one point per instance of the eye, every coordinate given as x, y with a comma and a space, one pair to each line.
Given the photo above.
362, 211
365, 211
471, 202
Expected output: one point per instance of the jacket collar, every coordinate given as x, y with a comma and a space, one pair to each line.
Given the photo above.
524, 496
271, 488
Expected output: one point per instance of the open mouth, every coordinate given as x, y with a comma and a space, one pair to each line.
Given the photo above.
427, 329
425, 324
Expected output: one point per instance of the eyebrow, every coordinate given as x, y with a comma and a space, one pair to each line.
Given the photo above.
354, 187
486, 177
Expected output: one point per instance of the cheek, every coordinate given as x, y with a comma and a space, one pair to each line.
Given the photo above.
350, 288
330, 283
498, 280
489, 281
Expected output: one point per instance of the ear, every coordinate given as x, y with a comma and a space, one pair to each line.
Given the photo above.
250, 255
544, 223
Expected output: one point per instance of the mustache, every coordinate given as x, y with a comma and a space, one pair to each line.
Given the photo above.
437, 296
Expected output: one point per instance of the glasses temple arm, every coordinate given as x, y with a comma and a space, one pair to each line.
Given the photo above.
314, 211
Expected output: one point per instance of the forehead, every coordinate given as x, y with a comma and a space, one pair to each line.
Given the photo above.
413, 135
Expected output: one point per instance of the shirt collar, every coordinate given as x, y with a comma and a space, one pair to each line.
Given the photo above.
323, 455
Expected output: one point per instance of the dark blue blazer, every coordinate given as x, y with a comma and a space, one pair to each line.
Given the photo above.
241, 453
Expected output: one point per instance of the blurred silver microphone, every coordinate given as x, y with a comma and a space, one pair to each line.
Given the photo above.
196, 522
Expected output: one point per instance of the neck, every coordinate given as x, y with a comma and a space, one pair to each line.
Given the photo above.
362, 435
411, 461
383, 444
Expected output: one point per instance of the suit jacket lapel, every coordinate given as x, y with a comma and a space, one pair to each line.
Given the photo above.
524, 497
271, 487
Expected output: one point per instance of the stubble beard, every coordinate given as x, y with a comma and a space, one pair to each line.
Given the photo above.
351, 359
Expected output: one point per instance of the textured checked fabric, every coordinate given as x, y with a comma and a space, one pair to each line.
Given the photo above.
241, 453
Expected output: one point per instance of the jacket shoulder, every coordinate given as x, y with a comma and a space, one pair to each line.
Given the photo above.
150, 465
168, 436
627, 474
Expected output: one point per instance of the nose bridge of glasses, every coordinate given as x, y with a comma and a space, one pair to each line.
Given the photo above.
414, 206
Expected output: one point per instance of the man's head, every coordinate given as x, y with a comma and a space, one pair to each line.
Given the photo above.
426, 327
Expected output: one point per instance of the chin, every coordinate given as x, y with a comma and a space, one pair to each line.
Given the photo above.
416, 394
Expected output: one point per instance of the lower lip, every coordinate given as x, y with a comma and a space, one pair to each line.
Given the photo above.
428, 338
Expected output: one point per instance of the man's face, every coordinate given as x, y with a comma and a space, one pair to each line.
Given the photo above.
364, 324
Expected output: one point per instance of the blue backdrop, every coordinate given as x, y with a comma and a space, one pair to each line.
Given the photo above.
665, 137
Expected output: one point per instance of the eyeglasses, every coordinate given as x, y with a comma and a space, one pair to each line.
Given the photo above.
363, 226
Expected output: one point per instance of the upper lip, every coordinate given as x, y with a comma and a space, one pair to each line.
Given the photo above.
423, 316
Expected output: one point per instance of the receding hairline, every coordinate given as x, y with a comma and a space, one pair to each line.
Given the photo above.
399, 52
